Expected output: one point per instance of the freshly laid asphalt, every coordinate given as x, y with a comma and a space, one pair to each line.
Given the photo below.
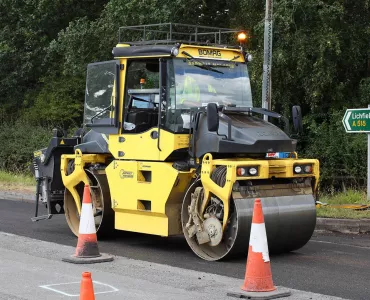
329, 264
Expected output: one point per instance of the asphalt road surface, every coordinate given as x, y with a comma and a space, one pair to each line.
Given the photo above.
337, 265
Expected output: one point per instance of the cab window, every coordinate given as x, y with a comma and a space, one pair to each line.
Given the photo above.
141, 95
100, 94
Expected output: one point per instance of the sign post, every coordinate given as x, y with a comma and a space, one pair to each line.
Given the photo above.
358, 121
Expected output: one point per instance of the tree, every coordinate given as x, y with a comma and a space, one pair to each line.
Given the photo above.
26, 29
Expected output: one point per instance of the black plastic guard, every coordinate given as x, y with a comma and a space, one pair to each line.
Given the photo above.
48, 161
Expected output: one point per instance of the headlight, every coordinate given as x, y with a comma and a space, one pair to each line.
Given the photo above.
303, 169
240, 171
247, 171
308, 169
252, 171
42, 158
297, 169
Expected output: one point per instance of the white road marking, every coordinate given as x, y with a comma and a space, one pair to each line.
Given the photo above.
110, 286
341, 244
7, 234
48, 287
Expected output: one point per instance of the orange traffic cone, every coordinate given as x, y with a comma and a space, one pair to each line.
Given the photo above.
87, 288
87, 250
258, 282
258, 276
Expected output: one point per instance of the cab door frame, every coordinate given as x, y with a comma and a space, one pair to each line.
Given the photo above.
109, 125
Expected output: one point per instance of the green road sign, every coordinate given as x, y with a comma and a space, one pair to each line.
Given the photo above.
357, 120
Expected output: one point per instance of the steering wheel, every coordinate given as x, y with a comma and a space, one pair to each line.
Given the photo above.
143, 100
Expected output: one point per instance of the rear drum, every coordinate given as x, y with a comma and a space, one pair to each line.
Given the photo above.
100, 197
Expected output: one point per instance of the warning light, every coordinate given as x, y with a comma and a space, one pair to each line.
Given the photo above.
142, 82
242, 37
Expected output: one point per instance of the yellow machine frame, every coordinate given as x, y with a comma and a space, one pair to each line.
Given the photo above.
146, 192
130, 188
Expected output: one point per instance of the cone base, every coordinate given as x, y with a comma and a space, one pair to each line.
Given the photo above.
278, 293
88, 260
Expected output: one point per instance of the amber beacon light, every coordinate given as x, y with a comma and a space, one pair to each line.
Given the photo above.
242, 37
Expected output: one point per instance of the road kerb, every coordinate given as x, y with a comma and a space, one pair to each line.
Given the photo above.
17, 196
343, 225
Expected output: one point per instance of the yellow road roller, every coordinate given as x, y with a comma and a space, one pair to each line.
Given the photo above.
171, 144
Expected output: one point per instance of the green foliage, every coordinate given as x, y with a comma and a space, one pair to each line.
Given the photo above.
342, 213
320, 51
16, 179
27, 28
19, 141
58, 102
320, 57
364, 90
348, 197
342, 156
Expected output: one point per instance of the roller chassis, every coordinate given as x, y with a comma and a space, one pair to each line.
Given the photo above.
150, 177
217, 184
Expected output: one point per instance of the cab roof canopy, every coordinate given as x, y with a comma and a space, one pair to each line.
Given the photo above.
171, 33
159, 39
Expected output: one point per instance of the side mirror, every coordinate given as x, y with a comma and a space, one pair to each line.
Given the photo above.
213, 120
297, 118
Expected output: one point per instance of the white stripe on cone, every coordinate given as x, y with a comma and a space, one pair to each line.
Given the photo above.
87, 223
258, 240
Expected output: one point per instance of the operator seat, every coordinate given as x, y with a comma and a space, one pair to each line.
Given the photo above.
143, 119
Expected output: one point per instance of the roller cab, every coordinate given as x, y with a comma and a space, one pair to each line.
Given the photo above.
172, 145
